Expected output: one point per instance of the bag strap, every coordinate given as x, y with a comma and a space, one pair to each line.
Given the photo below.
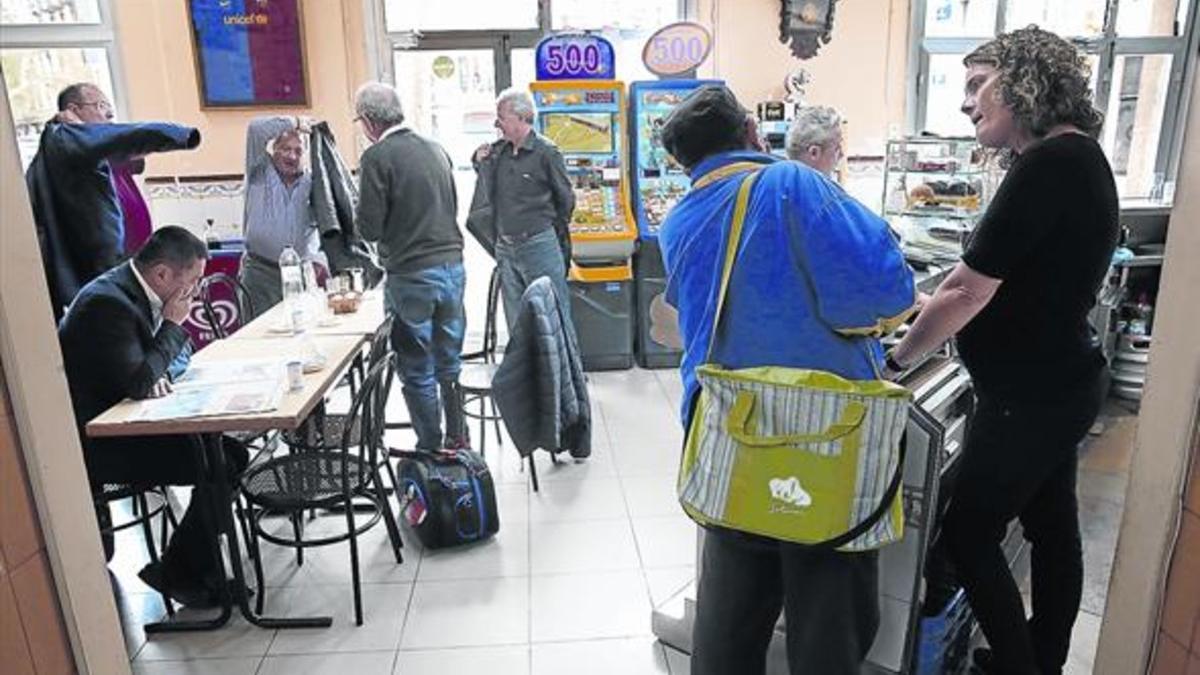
732, 242
880, 511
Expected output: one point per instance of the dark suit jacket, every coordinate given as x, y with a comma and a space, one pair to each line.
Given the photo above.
79, 222
109, 346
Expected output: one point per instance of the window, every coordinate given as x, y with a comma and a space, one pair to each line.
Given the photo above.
422, 15
626, 23
1137, 51
46, 45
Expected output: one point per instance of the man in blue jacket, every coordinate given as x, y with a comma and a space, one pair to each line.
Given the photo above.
80, 227
816, 276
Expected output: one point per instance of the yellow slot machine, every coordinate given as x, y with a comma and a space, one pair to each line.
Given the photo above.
582, 110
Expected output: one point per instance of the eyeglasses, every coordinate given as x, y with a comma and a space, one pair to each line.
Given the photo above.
102, 106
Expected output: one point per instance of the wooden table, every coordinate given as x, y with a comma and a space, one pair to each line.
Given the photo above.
363, 322
294, 408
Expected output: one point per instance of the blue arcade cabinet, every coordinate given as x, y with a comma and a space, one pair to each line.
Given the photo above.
657, 182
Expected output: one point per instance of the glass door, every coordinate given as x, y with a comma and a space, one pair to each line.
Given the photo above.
449, 94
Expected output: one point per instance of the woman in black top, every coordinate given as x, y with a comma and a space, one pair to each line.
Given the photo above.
1018, 303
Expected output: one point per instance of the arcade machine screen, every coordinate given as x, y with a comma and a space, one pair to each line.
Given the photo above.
659, 181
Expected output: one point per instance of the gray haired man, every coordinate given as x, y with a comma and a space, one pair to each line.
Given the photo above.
277, 212
525, 179
408, 204
815, 138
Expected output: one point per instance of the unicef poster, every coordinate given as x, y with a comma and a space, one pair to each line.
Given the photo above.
249, 53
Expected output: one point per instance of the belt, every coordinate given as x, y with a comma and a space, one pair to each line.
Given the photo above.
263, 260
521, 237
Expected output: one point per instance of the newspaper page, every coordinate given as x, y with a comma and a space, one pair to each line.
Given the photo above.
226, 388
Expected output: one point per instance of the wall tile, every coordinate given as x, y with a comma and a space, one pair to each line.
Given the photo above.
1170, 658
1193, 490
1196, 637
1194, 664
19, 534
14, 651
42, 618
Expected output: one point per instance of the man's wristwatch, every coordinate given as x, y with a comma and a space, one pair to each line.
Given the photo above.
889, 360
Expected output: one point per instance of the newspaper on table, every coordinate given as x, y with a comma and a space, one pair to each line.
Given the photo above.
225, 388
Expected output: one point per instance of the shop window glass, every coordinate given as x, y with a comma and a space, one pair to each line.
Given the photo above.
1069, 18
1133, 122
943, 114
1151, 18
35, 76
412, 15
954, 18
624, 15
34, 12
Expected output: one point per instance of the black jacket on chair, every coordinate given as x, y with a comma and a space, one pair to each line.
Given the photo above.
334, 201
540, 388
110, 348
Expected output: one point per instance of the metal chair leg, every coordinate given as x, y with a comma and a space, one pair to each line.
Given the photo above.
297, 518
389, 518
354, 573
533, 472
482, 429
496, 421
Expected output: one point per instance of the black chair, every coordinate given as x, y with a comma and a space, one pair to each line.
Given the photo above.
320, 478
243, 306
479, 369
142, 512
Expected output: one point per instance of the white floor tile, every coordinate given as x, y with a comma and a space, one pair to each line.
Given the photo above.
680, 663
241, 666
576, 547
331, 564
512, 660
468, 613
668, 541
666, 582
505, 555
638, 656
1084, 642
599, 465
590, 606
384, 608
238, 638
648, 457
649, 496
362, 663
593, 499
512, 501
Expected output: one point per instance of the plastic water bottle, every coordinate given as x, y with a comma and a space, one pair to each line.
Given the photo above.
292, 278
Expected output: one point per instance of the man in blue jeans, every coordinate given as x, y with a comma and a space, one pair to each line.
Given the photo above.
532, 200
407, 205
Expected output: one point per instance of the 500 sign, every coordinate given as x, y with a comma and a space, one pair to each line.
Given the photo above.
587, 57
677, 49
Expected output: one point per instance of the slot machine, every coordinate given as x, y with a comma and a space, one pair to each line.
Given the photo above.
581, 109
657, 182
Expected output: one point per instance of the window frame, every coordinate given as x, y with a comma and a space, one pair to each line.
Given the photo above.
381, 42
1107, 46
102, 35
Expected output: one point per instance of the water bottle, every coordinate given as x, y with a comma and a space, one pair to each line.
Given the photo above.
292, 279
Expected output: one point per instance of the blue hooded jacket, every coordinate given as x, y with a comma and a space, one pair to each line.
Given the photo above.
817, 279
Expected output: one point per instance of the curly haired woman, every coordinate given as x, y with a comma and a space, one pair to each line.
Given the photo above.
1018, 304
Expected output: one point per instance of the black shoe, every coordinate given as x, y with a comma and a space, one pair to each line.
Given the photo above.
196, 596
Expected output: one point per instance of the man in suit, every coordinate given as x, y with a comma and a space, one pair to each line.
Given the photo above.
80, 221
119, 340
408, 205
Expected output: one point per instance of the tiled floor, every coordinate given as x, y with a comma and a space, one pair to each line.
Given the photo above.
566, 587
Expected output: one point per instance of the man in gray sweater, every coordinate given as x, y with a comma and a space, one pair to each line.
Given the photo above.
407, 205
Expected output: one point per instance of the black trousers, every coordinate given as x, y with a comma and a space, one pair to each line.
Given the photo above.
1020, 461
830, 600
169, 460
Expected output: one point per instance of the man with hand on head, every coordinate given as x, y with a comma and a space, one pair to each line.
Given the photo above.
277, 212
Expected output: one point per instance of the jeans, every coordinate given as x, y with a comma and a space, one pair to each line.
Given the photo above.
427, 335
1019, 461
830, 600
524, 261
